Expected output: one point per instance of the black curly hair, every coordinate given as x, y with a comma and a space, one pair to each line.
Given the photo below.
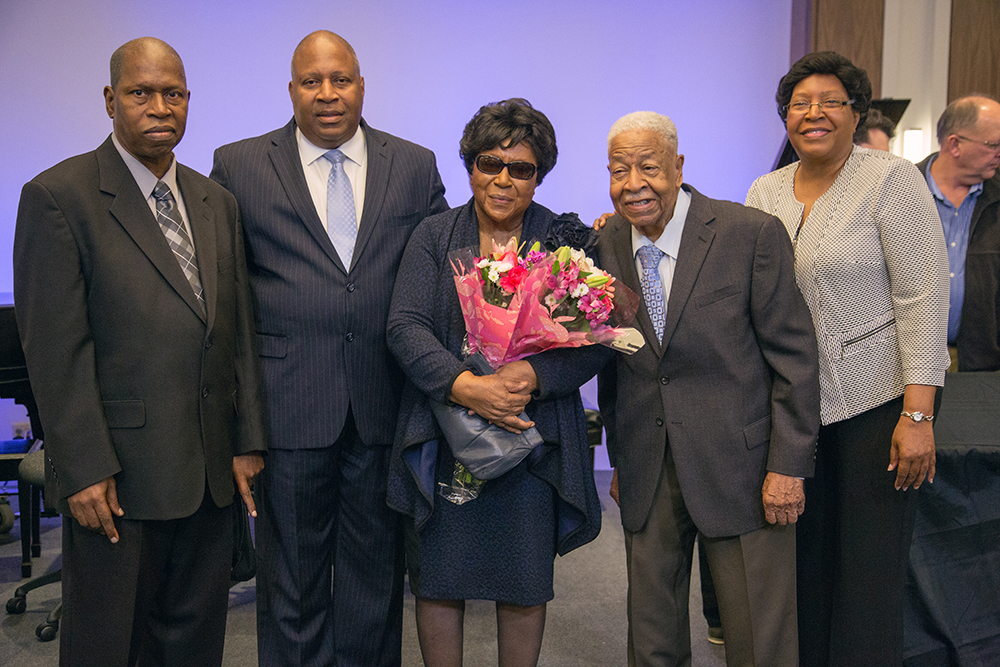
507, 124
853, 78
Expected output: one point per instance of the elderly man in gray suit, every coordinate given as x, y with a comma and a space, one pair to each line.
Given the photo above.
713, 424
328, 204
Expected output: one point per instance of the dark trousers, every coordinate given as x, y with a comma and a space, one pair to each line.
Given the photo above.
853, 546
324, 510
157, 597
755, 583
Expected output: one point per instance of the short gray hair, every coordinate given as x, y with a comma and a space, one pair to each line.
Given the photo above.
961, 114
646, 120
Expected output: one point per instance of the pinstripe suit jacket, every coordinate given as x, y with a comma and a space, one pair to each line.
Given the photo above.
732, 387
871, 263
131, 379
320, 328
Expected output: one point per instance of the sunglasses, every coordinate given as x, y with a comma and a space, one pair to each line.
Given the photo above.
491, 166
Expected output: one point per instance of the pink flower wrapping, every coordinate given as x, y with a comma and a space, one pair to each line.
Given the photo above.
527, 326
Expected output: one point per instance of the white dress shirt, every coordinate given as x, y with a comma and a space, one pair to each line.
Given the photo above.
317, 170
668, 243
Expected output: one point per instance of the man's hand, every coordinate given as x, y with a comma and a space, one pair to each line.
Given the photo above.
93, 508
784, 498
245, 469
603, 220
614, 487
912, 454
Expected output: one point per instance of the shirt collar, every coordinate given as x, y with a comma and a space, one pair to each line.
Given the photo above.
670, 240
144, 178
936, 191
353, 148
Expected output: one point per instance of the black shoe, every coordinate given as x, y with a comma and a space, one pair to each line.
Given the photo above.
715, 636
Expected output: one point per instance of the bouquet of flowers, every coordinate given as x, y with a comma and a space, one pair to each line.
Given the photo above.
515, 306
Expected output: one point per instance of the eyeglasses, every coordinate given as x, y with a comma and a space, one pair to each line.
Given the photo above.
491, 166
992, 145
802, 108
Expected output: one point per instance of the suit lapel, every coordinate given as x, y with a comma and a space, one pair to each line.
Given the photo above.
202, 221
625, 271
696, 239
133, 214
376, 184
990, 194
284, 155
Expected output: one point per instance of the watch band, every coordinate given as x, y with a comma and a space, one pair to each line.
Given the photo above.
917, 416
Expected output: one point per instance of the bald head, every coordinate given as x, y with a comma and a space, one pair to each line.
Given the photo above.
969, 134
323, 37
129, 50
963, 114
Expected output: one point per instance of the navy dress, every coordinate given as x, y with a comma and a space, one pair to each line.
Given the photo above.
501, 545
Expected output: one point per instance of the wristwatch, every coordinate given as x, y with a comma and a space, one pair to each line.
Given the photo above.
917, 416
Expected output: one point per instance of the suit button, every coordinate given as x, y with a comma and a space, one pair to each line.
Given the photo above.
659, 422
208, 344
204, 392
664, 380
350, 287
350, 337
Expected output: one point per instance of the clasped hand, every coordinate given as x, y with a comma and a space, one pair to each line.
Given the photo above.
499, 398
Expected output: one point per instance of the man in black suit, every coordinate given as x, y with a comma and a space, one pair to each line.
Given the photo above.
135, 316
713, 423
328, 204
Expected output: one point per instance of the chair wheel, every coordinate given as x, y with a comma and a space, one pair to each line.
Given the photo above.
47, 631
16, 605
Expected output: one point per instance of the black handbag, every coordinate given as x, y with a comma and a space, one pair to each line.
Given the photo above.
244, 556
486, 451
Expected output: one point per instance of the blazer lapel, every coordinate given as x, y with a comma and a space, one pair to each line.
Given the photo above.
284, 155
696, 239
376, 184
133, 214
626, 272
202, 221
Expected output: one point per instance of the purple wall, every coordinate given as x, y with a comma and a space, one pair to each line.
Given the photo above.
712, 66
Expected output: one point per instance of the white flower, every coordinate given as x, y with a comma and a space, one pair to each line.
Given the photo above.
579, 290
494, 274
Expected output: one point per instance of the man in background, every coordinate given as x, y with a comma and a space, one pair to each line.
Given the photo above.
876, 131
328, 204
135, 318
963, 179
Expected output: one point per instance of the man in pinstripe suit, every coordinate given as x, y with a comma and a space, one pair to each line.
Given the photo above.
332, 386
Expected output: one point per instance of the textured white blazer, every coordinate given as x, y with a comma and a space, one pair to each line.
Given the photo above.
870, 261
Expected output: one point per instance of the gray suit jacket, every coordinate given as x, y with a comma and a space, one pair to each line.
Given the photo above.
733, 388
130, 378
321, 329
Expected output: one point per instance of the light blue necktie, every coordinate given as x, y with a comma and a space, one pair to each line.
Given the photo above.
652, 287
341, 221
177, 237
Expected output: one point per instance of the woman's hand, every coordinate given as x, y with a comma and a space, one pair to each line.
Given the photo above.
495, 398
912, 453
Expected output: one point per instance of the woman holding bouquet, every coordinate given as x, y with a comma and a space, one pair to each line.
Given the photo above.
501, 545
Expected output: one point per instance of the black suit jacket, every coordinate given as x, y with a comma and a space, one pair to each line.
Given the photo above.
734, 386
321, 330
131, 379
978, 340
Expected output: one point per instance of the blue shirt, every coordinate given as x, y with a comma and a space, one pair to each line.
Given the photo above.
956, 222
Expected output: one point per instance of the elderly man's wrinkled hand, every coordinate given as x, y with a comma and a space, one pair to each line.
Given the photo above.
246, 467
784, 498
603, 220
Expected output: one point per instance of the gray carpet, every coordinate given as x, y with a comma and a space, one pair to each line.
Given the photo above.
585, 623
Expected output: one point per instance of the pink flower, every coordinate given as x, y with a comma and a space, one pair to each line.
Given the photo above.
513, 279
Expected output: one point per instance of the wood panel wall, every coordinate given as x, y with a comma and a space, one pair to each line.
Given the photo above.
852, 28
974, 65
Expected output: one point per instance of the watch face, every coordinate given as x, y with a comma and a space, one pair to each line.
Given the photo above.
918, 416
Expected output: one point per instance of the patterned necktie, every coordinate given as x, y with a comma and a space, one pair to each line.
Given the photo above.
177, 238
652, 287
341, 221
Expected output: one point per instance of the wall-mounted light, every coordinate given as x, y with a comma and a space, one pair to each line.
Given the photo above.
913, 145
